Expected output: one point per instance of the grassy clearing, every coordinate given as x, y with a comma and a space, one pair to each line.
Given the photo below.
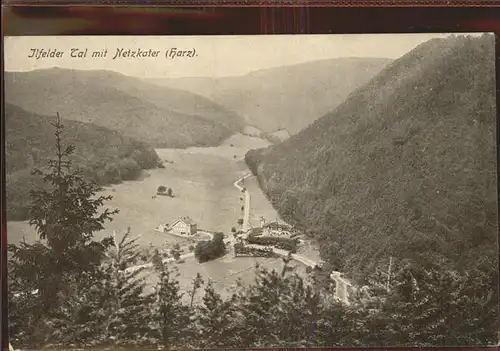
233, 148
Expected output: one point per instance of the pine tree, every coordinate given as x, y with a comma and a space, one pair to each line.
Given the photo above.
170, 317
129, 306
59, 270
217, 320
339, 325
67, 215
258, 308
197, 283
79, 319
27, 270
435, 306
279, 310
301, 307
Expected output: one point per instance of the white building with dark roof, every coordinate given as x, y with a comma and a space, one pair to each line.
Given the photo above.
184, 226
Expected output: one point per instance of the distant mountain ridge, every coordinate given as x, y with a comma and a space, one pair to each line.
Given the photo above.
285, 98
160, 116
405, 167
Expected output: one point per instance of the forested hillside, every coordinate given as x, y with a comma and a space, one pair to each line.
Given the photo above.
405, 168
162, 117
289, 97
104, 156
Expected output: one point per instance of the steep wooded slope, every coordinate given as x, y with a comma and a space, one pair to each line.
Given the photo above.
405, 167
104, 155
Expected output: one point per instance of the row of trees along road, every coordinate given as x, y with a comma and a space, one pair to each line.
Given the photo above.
67, 289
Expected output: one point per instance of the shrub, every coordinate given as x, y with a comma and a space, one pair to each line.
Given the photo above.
129, 169
175, 254
208, 250
145, 158
111, 174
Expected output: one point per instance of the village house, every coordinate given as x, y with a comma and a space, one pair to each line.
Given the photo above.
163, 228
184, 226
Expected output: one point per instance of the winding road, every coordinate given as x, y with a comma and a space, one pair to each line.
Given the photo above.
246, 215
341, 286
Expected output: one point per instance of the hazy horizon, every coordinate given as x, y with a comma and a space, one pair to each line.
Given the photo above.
217, 56
194, 77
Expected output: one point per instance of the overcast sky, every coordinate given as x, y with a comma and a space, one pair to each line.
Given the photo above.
216, 55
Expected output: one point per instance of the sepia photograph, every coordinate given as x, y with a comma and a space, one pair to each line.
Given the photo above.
251, 191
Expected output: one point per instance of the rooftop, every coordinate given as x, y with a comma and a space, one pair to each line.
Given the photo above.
187, 220
277, 225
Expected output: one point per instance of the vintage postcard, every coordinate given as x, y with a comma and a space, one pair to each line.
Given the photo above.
251, 191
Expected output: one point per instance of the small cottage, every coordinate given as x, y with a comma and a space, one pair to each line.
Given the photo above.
163, 228
184, 226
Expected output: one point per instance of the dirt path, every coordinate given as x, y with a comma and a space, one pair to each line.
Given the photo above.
246, 215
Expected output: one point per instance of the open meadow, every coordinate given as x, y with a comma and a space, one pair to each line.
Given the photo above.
202, 183
234, 148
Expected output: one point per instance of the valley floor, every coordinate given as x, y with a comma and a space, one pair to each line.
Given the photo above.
202, 183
